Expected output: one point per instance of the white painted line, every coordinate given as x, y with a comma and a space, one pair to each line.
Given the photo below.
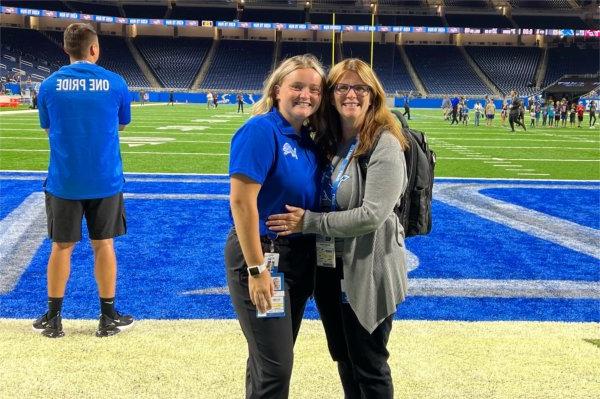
525, 159
560, 231
131, 152
21, 233
533, 174
479, 288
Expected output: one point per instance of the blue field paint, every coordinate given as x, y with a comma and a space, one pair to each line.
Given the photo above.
579, 206
175, 245
462, 245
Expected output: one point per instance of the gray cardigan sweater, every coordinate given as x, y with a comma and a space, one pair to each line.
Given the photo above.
374, 257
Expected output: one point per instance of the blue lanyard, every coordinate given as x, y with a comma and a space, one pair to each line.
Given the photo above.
338, 179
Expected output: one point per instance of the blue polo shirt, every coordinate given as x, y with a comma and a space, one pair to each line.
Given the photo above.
268, 150
82, 105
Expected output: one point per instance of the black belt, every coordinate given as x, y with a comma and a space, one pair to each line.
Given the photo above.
286, 240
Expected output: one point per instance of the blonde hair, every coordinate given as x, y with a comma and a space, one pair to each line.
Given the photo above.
377, 119
275, 78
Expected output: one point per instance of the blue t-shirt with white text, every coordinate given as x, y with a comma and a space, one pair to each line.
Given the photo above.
82, 105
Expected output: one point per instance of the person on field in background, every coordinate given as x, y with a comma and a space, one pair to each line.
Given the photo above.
478, 110
82, 107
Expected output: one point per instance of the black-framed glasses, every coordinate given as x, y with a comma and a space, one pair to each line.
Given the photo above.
360, 90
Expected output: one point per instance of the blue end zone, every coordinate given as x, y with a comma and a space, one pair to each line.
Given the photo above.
174, 247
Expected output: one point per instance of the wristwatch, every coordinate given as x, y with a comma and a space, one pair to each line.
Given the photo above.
254, 271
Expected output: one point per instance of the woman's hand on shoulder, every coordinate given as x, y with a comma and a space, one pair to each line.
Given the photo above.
285, 224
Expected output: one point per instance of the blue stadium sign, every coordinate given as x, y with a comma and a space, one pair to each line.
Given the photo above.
285, 26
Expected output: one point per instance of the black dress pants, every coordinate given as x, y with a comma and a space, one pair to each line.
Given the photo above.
271, 340
361, 357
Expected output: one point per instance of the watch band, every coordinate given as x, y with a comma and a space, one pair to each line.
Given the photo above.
254, 271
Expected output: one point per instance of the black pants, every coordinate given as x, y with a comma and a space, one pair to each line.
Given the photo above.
515, 118
361, 357
454, 115
407, 111
240, 106
271, 340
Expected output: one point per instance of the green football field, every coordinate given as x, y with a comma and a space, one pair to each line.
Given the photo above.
193, 139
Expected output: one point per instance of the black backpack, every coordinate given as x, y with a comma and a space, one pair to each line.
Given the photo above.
414, 211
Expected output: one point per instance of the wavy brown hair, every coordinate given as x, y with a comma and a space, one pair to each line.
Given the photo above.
377, 119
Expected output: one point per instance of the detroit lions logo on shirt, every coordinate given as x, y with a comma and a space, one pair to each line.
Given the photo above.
288, 150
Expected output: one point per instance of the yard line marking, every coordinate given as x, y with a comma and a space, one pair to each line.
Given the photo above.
479, 288
21, 233
511, 139
550, 228
525, 159
129, 152
220, 197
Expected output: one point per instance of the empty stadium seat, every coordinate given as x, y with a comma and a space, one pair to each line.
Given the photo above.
175, 62
387, 64
508, 67
443, 70
571, 60
239, 64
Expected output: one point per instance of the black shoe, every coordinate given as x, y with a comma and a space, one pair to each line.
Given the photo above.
51, 328
108, 326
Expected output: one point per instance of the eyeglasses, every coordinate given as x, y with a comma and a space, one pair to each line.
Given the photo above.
360, 90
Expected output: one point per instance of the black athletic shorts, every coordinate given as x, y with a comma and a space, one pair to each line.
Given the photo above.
105, 218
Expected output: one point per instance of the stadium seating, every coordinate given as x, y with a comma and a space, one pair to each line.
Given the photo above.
467, 3
203, 13
320, 50
239, 64
478, 20
443, 70
536, 4
284, 16
387, 63
37, 5
34, 47
508, 67
175, 62
144, 11
94, 8
115, 56
549, 22
571, 60
410, 20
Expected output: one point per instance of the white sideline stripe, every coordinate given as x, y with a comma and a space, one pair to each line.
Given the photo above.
124, 139
139, 179
563, 232
479, 288
523, 159
568, 183
223, 197
226, 155
21, 233
128, 152
433, 138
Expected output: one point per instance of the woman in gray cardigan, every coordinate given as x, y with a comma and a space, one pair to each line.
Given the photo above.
362, 274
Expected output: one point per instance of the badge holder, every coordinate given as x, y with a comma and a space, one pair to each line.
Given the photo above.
278, 299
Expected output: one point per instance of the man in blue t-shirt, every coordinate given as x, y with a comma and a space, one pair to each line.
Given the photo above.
82, 107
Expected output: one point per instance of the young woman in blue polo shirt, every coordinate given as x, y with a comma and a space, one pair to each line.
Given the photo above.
273, 162
361, 271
